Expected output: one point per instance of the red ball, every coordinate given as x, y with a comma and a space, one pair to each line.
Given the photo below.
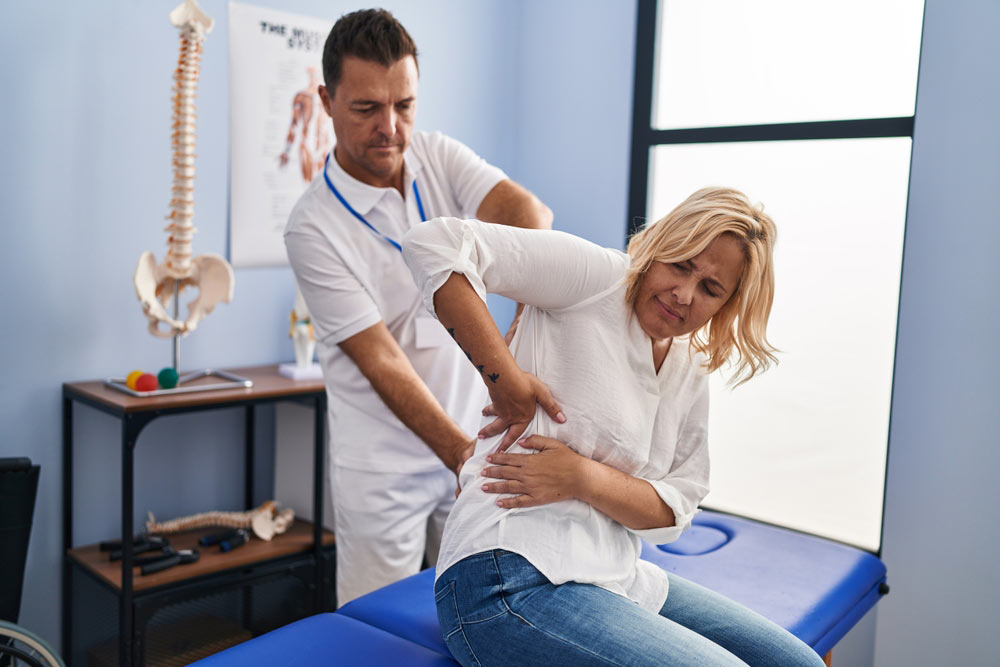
146, 382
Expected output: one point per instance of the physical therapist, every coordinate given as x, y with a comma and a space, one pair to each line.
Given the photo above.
404, 403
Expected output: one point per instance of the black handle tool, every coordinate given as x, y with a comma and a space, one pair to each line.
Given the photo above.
147, 558
180, 557
239, 539
116, 545
215, 538
151, 543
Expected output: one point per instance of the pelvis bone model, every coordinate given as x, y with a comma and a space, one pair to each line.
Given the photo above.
157, 285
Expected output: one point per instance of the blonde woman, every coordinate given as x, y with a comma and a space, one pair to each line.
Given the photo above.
539, 563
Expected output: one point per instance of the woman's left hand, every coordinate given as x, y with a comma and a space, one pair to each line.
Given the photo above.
550, 475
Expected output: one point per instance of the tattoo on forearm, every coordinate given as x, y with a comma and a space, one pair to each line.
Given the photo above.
479, 367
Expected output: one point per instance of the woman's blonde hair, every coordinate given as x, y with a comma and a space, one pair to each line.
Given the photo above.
685, 232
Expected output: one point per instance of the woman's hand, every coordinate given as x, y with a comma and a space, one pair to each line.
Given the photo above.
557, 473
551, 475
514, 393
513, 406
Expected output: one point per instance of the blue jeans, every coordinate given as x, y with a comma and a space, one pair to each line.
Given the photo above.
495, 608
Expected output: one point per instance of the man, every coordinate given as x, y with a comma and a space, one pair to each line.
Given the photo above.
403, 397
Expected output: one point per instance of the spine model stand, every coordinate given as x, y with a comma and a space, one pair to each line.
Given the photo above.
159, 285
265, 521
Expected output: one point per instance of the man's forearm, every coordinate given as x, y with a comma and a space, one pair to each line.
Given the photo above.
394, 379
405, 394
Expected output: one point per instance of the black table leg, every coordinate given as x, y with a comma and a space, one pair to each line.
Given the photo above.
128, 650
248, 480
249, 460
319, 474
67, 472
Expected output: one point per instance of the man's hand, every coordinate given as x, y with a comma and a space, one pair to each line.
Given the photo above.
509, 336
548, 476
514, 408
464, 455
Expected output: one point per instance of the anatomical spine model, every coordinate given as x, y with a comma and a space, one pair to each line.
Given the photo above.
158, 285
266, 521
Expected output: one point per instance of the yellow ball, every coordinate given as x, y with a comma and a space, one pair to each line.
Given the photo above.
132, 378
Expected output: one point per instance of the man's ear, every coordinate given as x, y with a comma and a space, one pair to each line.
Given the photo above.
326, 99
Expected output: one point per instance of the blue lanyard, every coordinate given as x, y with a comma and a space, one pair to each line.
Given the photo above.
416, 192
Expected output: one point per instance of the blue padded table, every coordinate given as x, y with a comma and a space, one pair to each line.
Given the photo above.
327, 639
815, 588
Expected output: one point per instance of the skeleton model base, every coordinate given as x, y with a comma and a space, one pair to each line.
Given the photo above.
265, 521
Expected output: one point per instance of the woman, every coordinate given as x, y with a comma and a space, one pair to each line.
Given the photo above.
539, 563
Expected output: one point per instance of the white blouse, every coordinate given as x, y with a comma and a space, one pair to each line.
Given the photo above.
579, 337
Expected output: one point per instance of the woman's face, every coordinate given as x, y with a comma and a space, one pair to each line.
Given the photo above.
676, 299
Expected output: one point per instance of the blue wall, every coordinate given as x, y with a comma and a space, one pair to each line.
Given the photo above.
574, 114
941, 537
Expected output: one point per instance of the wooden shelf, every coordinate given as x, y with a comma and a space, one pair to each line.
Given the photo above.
267, 383
297, 539
245, 563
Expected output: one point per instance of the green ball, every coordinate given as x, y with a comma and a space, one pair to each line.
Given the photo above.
167, 378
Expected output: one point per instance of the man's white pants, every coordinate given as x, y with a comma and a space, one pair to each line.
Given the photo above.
385, 522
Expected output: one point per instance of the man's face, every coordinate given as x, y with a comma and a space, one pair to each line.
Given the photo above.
373, 108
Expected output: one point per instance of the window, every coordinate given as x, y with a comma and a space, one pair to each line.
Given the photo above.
808, 108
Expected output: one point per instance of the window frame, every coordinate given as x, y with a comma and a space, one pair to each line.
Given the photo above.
645, 137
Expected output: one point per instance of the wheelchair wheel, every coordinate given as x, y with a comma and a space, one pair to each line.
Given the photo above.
19, 646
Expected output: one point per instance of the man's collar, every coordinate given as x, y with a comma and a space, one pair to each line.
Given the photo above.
361, 196
412, 167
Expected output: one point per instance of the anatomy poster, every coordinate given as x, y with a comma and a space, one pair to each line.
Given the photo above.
279, 131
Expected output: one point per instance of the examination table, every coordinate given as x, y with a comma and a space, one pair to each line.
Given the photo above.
816, 588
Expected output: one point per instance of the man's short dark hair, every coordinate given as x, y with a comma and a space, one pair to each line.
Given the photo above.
368, 34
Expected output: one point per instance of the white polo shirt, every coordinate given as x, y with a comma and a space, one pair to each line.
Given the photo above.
352, 278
